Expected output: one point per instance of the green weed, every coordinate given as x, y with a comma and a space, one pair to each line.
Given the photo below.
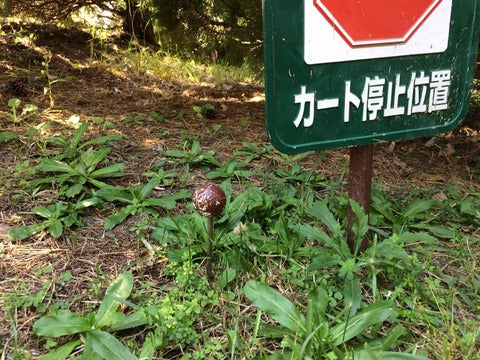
413, 289
90, 328
57, 217
187, 157
29, 111
49, 79
72, 147
136, 200
203, 111
313, 335
80, 174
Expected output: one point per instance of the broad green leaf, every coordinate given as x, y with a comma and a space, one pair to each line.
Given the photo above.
168, 223
416, 208
179, 195
70, 220
360, 223
390, 341
467, 206
282, 229
92, 158
118, 218
232, 164
386, 355
80, 168
380, 204
315, 323
100, 140
175, 153
115, 194
24, 232
243, 173
57, 210
352, 293
78, 134
14, 102
148, 188
108, 347
64, 323
324, 259
161, 202
97, 119
389, 355
135, 191
284, 355
408, 238
390, 250
235, 210
195, 147
168, 201
226, 277
47, 165
42, 211
320, 211
89, 354
99, 184
275, 305
273, 331
439, 231
87, 203
49, 180
114, 170
56, 228
109, 125
119, 289
6, 136
149, 346
62, 352
216, 174
74, 190
127, 322
313, 233
156, 116
68, 153
354, 326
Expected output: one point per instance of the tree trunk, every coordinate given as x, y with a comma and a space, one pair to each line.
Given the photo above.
136, 24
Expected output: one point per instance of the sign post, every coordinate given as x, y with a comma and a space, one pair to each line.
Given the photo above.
347, 73
359, 186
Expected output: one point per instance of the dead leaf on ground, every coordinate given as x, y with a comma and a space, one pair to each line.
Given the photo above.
449, 150
391, 147
440, 196
430, 142
4, 229
400, 163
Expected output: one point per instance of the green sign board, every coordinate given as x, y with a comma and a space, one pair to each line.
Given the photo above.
342, 73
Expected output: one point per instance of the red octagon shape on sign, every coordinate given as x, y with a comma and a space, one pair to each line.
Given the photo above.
376, 22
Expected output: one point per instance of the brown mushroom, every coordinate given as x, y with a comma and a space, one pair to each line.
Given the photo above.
209, 200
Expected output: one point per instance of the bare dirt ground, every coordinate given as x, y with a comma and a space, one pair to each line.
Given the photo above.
96, 89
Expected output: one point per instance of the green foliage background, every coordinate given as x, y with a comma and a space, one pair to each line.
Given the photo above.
224, 30
227, 29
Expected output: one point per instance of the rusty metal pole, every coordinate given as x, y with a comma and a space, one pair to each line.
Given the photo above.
359, 187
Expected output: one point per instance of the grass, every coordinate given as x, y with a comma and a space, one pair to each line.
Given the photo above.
420, 272
173, 68
117, 254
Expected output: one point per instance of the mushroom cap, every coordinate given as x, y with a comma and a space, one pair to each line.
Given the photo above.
209, 200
